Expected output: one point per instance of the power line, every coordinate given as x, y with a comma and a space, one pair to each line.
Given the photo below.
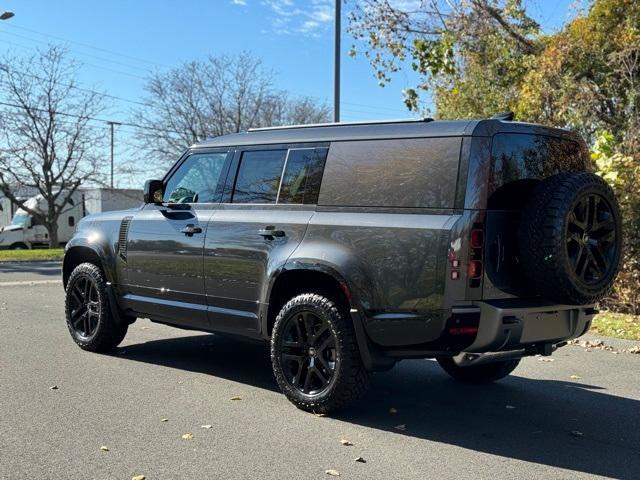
373, 107
101, 67
86, 45
87, 117
128, 65
82, 89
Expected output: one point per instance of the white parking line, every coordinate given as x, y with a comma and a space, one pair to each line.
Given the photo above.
30, 282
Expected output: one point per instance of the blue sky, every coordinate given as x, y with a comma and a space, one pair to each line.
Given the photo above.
119, 41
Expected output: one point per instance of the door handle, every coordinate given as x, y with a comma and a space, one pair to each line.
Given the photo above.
190, 229
270, 232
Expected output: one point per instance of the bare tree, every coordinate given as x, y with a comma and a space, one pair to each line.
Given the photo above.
219, 95
46, 141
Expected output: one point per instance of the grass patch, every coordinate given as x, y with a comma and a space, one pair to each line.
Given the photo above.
618, 325
36, 255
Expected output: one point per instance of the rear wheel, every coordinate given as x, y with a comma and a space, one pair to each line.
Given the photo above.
89, 318
315, 356
486, 373
18, 246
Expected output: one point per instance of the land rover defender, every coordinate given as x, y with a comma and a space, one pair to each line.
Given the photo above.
352, 246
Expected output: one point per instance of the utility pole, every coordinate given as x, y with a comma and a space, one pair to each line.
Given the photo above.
336, 68
111, 125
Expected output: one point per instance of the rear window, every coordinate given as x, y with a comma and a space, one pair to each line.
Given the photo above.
518, 156
392, 173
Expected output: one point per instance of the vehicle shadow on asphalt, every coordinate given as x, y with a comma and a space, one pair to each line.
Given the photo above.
568, 425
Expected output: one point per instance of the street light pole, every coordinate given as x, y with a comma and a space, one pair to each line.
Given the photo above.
111, 125
336, 79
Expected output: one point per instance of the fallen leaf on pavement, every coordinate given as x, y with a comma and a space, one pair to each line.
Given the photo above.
333, 473
509, 407
187, 436
237, 397
53, 387
401, 427
206, 426
546, 359
635, 349
393, 411
361, 460
164, 419
575, 377
577, 433
588, 345
346, 443
138, 477
104, 449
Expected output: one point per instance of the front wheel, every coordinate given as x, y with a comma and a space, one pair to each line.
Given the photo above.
315, 356
89, 319
486, 373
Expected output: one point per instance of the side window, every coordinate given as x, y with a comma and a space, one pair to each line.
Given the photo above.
302, 176
419, 172
259, 176
196, 180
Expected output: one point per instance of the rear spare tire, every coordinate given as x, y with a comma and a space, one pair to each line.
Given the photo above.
570, 238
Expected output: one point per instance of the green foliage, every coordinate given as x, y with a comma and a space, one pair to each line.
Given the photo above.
617, 325
622, 173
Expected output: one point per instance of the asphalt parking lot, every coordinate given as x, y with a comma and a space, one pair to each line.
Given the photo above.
577, 416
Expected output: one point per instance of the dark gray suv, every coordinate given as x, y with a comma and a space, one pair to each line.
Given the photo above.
352, 246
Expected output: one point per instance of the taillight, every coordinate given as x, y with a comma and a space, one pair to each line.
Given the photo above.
476, 245
475, 269
477, 237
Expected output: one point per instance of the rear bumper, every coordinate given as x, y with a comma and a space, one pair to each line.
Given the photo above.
516, 323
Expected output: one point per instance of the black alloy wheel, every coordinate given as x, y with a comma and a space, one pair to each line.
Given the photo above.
591, 238
308, 353
90, 319
85, 306
315, 354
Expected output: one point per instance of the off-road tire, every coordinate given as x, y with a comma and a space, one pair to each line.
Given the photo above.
350, 379
109, 332
486, 373
543, 238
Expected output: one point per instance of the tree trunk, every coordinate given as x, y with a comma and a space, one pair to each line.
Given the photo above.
52, 228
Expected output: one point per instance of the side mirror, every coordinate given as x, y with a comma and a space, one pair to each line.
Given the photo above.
153, 191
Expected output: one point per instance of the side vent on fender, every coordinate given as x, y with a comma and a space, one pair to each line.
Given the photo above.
122, 237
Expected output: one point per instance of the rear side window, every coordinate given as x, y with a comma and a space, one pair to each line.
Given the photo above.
258, 177
517, 156
302, 176
392, 173
519, 160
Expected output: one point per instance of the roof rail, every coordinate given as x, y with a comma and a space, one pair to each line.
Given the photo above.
338, 124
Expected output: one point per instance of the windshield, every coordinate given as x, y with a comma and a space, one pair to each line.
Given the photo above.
20, 219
